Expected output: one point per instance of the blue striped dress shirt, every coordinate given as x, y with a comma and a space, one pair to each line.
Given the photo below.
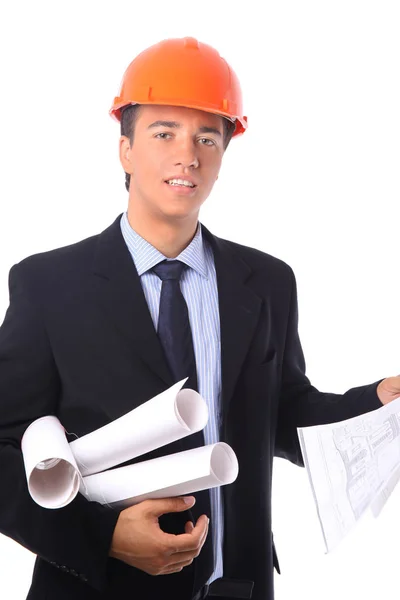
199, 288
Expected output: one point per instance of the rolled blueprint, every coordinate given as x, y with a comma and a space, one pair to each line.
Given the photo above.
169, 416
173, 475
51, 471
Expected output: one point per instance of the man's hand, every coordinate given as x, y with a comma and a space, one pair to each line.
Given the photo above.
389, 389
139, 541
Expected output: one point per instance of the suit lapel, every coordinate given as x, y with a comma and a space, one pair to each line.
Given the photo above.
119, 291
239, 309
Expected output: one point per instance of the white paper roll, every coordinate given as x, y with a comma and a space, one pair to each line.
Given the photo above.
51, 471
167, 417
173, 475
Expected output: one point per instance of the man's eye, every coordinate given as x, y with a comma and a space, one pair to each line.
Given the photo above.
207, 141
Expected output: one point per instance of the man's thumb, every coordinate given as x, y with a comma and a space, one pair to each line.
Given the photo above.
161, 506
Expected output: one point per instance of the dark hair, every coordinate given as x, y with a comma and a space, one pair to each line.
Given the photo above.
128, 121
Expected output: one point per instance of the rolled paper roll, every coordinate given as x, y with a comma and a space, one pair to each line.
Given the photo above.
51, 471
169, 416
173, 475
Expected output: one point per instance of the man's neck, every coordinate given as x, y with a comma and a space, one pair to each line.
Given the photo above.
169, 238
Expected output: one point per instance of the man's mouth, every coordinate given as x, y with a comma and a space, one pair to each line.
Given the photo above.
180, 182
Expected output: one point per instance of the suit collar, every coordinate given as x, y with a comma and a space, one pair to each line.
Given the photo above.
119, 290
145, 256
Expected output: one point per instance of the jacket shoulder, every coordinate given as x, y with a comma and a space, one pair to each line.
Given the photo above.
257, 259
72, 255
62, 267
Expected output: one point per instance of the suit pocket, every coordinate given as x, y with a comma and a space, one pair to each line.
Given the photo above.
259, 377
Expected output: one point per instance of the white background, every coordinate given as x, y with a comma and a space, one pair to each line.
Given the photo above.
314, 181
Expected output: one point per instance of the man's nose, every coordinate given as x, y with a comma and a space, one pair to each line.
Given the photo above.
187, 154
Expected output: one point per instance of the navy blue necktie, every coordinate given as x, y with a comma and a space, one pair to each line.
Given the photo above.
173, 324
176, 339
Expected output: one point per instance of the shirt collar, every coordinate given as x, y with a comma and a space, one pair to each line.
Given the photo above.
145, 256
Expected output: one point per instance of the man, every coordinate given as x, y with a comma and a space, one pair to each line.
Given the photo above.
86, 338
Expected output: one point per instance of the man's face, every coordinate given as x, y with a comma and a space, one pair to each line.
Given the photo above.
173, 142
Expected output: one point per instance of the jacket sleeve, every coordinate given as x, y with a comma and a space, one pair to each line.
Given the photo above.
76, 538
301, 404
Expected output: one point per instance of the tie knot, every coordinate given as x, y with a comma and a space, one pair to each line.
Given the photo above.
169, 269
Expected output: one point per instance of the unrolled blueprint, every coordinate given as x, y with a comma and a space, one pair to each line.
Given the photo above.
352, 465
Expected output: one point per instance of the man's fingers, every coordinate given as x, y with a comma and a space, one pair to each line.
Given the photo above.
189, 542
184, 559
203, 539
181, 557
189, 527
175, 568
171, 571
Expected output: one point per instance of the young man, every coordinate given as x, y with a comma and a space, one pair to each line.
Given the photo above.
99, 327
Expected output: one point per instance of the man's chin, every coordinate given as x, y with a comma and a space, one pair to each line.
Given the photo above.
180, 216
180, 212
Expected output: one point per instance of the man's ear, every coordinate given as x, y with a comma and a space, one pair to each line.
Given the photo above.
125, 154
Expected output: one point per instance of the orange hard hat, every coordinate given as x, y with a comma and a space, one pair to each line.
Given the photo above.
182, 72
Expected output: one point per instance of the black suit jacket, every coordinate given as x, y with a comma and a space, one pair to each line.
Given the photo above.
78, 342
